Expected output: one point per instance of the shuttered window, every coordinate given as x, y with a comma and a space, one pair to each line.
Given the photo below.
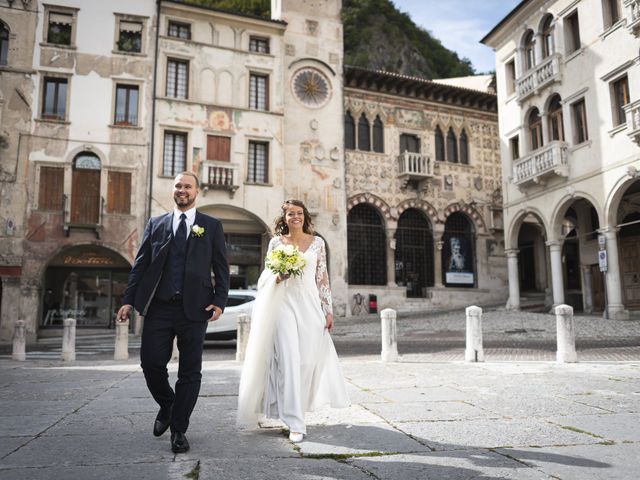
218, 148
119, 192
51, 188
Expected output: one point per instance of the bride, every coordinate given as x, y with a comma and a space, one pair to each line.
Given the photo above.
291, 364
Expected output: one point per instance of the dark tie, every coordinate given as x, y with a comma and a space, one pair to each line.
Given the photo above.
181, 233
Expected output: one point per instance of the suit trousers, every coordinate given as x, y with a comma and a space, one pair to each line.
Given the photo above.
163, 322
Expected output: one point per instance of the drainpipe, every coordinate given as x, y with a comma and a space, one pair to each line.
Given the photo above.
153, 110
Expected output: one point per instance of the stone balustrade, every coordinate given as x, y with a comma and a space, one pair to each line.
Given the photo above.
219, 175
633, 120
547, 160
633, 16
541, 75
415, 165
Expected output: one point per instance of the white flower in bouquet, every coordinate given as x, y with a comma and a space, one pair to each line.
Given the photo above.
285, 260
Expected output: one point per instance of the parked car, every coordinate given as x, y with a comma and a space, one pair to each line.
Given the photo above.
225, 328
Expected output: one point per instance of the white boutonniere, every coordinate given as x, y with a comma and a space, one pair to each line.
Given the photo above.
197, 230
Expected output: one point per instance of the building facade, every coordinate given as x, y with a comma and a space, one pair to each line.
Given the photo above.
424, 193
568, 74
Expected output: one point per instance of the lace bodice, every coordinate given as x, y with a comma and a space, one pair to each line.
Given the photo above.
321, 273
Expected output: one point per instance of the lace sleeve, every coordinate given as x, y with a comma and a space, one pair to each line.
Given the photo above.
322, 279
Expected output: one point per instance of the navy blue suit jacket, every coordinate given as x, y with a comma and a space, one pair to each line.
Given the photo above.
205, 254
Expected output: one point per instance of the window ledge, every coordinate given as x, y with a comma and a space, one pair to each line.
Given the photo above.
618, 129
132, 54
11, 69
50, 120
574, 54
585, 144
126, 127
253, 184
58, 45
620, 23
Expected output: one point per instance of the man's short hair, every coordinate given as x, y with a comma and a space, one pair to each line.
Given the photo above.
191, 174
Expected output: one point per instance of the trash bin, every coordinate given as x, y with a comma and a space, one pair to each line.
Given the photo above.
373, 303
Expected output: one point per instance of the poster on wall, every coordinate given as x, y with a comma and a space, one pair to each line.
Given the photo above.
459, 265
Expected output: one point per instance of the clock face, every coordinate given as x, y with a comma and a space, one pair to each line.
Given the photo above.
311, 87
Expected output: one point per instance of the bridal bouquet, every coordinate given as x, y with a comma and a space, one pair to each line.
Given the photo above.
285, 260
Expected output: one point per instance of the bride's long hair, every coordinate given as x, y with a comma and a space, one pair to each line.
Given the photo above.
282, 228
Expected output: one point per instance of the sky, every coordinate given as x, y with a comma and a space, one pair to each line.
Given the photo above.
460, 24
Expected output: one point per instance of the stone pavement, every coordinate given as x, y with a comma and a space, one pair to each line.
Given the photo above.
419, 418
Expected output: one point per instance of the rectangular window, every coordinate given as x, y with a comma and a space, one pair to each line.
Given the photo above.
259, 44
573, 32
175, 153
514, 147
258, 92
510, 76
611, 12
4, 44
580, 132
218, 148
177, 78
130, 37
119, 192
258, 162
126, 105
54, 101
59, 29
619, 98
51, 191
179, 30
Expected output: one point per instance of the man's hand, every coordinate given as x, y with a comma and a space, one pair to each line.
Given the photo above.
217, 311
124, 313
329, 325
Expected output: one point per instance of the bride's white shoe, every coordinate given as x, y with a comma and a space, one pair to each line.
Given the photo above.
295, 437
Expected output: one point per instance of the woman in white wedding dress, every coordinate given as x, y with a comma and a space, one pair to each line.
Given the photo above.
291, 364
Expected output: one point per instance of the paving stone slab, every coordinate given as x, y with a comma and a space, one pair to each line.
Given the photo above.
522, 405
458, 465
418, 394
31, 425
39, 407
582, 462
610, 401
619, 428
9, 444
427, 411
492, 434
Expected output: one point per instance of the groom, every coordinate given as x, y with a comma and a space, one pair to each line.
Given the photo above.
170, 284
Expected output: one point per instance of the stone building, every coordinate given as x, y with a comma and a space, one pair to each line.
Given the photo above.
424, 192
568, 76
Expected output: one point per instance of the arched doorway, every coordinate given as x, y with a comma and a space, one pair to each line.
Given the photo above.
414, 253
366, 246
629, 238
247, 238
86, 283
85, 189
458, 252
531, 256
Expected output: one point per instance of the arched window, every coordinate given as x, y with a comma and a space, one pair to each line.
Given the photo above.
85, 189
366, 246
464, 148
458, 252
414, 253
535, 129
452, 146
556, 127
529, 50
4, 43
364, 134
439, 141
349, 132
378, 135
547, 36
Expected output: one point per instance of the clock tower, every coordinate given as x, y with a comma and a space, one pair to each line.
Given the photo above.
313, 124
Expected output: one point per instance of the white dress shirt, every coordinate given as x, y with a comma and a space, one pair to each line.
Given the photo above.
190, 220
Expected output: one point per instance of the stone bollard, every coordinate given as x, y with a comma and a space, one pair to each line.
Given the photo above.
389, 338
137, 324
19, 341
474, 352
69, 340
242, 337
121, 351
566, 352
175, 353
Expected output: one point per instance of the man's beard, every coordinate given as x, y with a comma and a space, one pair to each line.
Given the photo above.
183, 201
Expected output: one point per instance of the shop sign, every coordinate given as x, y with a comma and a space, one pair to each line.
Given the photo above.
88, 259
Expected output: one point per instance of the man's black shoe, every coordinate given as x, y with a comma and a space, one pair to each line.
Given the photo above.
163, 420
179, 443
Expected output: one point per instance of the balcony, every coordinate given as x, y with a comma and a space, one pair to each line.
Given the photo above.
219, 176
633, 121
414, 168
633, 22
83, 211
539, 77
538, 166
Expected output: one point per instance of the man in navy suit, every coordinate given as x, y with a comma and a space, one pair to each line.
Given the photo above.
170, 285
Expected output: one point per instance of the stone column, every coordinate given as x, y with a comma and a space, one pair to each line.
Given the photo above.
615, 307
19, 341
557, 276
69, 339
391, 257
121, 350
437, 264
587, 291
389, 339
514, 279
242, 336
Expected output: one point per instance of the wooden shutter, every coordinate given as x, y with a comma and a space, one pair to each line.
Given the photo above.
119, 192
218, 148
51, 188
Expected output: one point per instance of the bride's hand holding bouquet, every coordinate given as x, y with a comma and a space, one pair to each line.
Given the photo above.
285, 261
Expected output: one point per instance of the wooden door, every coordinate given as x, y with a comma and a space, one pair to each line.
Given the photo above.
630, 270
597, 288
85, 197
